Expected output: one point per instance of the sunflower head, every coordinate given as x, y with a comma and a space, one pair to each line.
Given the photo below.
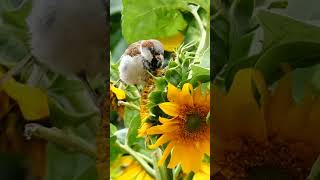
187, 132
257, 139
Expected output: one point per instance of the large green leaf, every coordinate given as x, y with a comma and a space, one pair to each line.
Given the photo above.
280, 29
240, 17
64, 164
315, 171
70, 103
15, 16
296, 54
152, 19
12, 49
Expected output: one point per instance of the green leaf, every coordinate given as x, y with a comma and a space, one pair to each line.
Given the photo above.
133, 130
70, 103
152, 19
240, 18
241, 47
315, 171
156, 97
16, 18
199, 75
115, 6
307, 10
113, 129
198, 70
115, 150
234, 67
161, 83
296, 54
281, 29
65, 164
12, 49
173, 76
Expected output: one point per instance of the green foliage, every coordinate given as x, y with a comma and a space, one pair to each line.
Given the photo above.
155, 19
13, 32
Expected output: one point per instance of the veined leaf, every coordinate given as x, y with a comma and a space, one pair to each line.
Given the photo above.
280, 29
152, 19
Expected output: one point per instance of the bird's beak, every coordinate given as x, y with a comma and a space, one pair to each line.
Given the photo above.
160, 58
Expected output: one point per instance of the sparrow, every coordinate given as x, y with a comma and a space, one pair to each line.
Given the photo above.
139, 59
70, 37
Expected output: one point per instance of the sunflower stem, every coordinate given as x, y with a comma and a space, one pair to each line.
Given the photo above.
129, 105
141, 161
190, 176
145, 157
159, 173
203, 33
60, 137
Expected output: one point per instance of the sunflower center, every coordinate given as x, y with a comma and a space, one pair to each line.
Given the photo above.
193, 122
269, 172
256, 160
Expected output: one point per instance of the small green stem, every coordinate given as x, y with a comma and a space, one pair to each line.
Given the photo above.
142, 162
129, 105
217, 14
203, 33
190, 176
159, 174
59, 137
145, 157
176, 172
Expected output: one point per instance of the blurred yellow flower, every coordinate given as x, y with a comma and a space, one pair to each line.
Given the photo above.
120, 94
172, 42
271, 134
131, 170
33, 102
204, 173
187, 133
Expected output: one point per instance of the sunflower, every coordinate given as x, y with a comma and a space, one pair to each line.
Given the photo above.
187, 132
130, 170
270, 136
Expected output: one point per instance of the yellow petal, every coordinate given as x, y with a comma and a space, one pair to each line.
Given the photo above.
130, 172
126, 160
238, 113
161, 129
162, 140
141, 175
32, 101
166, 153
201, 176
187, 94
188, 156
118, 92
173, 94
142, 131
165, 120
172, 42
169, 108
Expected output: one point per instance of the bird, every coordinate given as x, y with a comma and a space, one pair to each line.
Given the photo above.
140, 59
70, 37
